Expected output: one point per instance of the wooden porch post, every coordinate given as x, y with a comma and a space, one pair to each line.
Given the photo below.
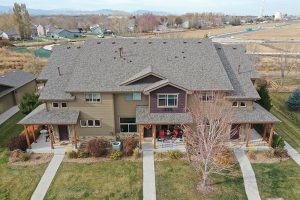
141, 127
154, 136
75, 136
248, 135
51, 137
33, 134
27, 137
265, 132
271, 134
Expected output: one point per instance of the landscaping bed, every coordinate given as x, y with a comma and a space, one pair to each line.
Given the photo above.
116, 179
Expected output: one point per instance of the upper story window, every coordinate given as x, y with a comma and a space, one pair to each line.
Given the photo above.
93, 97
135, 96
239, 104
59, 105
167, 100
90, 123
235, 104
242, 104
208, 96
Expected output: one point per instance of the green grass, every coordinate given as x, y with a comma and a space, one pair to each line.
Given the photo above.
289, 128
176, 180
16, 182
106, 180
10, 128
278, 180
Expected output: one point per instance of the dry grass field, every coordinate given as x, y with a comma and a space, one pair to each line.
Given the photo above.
24, 61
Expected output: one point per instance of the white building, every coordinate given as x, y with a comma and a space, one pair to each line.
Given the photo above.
278, 16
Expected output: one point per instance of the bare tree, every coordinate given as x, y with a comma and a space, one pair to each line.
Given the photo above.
147, 22
207, 137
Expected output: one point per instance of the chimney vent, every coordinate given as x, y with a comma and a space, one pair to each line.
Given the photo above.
121, 52
58, 69
239, 68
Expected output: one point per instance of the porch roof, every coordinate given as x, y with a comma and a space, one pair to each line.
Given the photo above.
258, 115
40, 116
143, 116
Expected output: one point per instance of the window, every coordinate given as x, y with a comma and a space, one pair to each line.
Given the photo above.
63, 105
90, 123
92, 97
242, 104
55, 105
235, 104
128, 125
167, 100
208, 96
135, 96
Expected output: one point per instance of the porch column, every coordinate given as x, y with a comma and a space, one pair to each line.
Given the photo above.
265, 132
141, 127
75, 135
154, 135
27, 137
248, 135
51, 137
32, 128
271, 134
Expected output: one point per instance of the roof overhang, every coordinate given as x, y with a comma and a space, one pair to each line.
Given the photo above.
132, 80
164, 83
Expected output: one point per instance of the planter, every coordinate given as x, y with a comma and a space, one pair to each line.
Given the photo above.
116, 145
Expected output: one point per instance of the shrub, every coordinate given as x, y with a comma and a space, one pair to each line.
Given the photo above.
129, 145
18, 155
252, 155
136, 153
280, 152
18, 142
115, 155
176, 154
265, 100
28, 103
293, 102
160, 155
24, 156
72, 154
226, 158
97, 147
269, 153
83, 154
277, 141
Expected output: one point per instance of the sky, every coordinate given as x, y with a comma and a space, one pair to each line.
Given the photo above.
234, 7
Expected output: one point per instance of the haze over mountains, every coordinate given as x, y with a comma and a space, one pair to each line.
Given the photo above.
5, 9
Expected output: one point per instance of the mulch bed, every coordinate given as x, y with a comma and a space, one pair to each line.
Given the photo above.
35, 159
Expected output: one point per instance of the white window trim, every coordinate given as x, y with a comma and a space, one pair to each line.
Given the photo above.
241, 103
167, 94
92, 98
62, 103
87, 125
128, 125
211, 93
237, 104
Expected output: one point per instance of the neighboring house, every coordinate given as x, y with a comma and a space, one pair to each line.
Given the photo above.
3, 36
64, 33
13, 86
41, 32
143, 86
13, 35
48, 29
186, 24
34, 32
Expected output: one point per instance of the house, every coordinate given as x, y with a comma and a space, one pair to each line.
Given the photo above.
141, 87
13, 86
3, 35
34, 32
41, 32
64, 33
13, 35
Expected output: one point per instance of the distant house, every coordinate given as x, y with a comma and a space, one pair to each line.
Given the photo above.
64, 33
34, 32
41, 32
48, 29
13, 86
13, 35
186, 24
3, 36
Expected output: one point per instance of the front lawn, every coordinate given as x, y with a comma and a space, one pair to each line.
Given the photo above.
278, 180
289, 128
176, 180
104, 180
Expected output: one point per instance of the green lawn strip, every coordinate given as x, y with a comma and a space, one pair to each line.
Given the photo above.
176, 179
105, 180
289, 128
10, 128
278, 180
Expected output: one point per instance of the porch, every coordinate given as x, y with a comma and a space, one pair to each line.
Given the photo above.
58, 129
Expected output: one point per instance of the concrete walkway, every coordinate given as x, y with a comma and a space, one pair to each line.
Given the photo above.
292, 153
47, 178
248, 175
8, 114
149, 191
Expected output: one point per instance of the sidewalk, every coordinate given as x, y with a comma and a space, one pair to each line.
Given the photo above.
8, 114
149, 190
248, 175
47, 178
292, 153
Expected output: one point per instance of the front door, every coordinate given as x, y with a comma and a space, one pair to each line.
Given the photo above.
147, 132
63, 132
235, 131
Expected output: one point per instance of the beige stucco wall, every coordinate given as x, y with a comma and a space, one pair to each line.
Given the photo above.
6, 102
126, 108
21, 91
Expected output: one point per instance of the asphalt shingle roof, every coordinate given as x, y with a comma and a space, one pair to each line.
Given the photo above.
15, 79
